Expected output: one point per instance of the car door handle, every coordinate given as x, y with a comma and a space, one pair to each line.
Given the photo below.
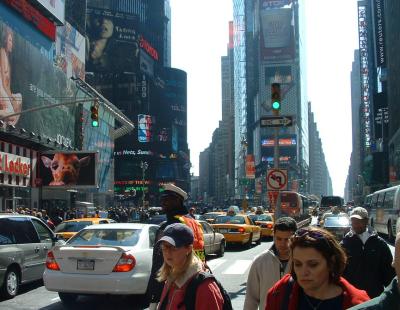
37, 249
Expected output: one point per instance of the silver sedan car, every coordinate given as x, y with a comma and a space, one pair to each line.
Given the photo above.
214, 242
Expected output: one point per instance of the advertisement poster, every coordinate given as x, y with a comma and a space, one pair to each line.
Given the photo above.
55, 7
32, 80
70, 52
113, 41
250, 167
277, 39
68, 169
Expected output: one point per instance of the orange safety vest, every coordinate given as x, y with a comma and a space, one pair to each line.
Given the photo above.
198, 242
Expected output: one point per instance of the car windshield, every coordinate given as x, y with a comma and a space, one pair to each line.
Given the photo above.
264, 217
72, 226
114, 237
226, 219
335, 221
209, 216
253, 217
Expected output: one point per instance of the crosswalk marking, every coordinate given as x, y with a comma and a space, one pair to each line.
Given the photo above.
215, 263
238, 267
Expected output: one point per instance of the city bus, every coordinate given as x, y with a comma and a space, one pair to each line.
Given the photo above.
384, 209
327, 202
295, 205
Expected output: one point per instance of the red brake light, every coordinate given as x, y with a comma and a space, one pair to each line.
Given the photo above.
51, 261
269, 225
126, 263
241, 230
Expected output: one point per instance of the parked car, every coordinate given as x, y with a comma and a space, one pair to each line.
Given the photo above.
214, 242
102, 259
67, 229
338, 225
24, 242
238, 228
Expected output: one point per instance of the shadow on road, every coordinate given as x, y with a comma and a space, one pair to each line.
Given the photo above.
102, 303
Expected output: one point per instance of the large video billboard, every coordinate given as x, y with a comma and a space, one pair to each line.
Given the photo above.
68, 169
277, 39
113, 41
55, 7
31, 80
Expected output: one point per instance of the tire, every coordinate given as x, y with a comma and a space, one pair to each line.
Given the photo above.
390, 232
248, 245
221, 251
11, 284
68, 298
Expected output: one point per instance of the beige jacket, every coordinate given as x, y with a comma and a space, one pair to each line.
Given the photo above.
264, 272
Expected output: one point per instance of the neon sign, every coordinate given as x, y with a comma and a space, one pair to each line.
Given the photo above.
148, 48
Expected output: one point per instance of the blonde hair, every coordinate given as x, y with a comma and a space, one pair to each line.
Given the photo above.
168, 272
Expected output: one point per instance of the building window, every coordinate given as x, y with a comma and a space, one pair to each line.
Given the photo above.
1, 178
10, 179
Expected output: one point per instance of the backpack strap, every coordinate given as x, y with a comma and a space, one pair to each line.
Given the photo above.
288, 291
191, 290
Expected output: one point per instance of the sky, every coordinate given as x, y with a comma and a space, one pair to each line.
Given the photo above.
200, 37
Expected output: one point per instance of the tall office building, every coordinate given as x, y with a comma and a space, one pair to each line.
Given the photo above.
263, 57
129, 62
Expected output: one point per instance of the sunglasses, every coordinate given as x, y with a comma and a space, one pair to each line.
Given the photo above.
309, 233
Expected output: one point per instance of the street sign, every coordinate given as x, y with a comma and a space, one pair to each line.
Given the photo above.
277, 179
276, 121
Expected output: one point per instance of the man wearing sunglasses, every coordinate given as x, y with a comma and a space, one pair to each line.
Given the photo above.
369, 264
270, 266
171, 202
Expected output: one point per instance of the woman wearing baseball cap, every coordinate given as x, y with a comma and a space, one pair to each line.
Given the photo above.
180, 267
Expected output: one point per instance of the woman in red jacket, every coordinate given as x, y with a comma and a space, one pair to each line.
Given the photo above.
315, 281
180, 266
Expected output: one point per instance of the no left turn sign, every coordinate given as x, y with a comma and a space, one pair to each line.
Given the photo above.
277, 179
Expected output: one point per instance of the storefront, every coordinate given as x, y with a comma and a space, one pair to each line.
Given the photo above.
17, 164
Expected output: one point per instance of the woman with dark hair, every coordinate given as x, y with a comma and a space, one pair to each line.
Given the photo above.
315, 281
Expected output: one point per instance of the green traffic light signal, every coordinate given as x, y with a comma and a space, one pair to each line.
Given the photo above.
95, 123
276, 105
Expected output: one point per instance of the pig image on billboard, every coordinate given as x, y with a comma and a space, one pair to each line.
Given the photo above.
65, 168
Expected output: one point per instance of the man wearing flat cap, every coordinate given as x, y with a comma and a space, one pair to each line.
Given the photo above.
369, 263
172, 199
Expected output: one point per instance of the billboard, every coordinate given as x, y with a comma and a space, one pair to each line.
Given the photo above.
145, 124
277, 39
68, 169
113, 41
56, 8
32, 81
70, 51
250, 167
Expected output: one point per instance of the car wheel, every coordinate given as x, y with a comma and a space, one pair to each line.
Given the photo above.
11, 284
68, 298
221, 251
250, 241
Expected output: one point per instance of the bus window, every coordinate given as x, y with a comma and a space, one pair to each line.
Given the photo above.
379, 203
389, 197
374, 200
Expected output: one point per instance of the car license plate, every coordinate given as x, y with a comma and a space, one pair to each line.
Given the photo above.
85, 264
223, 230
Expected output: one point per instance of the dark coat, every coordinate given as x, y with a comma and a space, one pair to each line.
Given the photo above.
369, 265
388, 300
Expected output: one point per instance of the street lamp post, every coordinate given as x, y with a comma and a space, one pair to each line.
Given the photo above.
144, 165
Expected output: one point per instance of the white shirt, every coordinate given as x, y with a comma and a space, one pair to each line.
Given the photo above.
364, 236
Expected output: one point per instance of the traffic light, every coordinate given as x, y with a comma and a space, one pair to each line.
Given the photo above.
94, 109
276, 97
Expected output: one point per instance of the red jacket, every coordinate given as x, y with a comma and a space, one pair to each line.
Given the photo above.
351, 295
208, 296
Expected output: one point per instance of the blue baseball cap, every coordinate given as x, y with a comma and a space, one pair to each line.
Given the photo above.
178, 235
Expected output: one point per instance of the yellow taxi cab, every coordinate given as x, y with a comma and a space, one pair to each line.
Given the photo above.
211, 216
266, 222
237, 228
67, 229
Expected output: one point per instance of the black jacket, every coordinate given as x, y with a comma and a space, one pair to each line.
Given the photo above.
369, 265
155, 288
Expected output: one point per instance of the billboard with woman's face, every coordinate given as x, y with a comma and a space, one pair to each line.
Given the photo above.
29, 79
